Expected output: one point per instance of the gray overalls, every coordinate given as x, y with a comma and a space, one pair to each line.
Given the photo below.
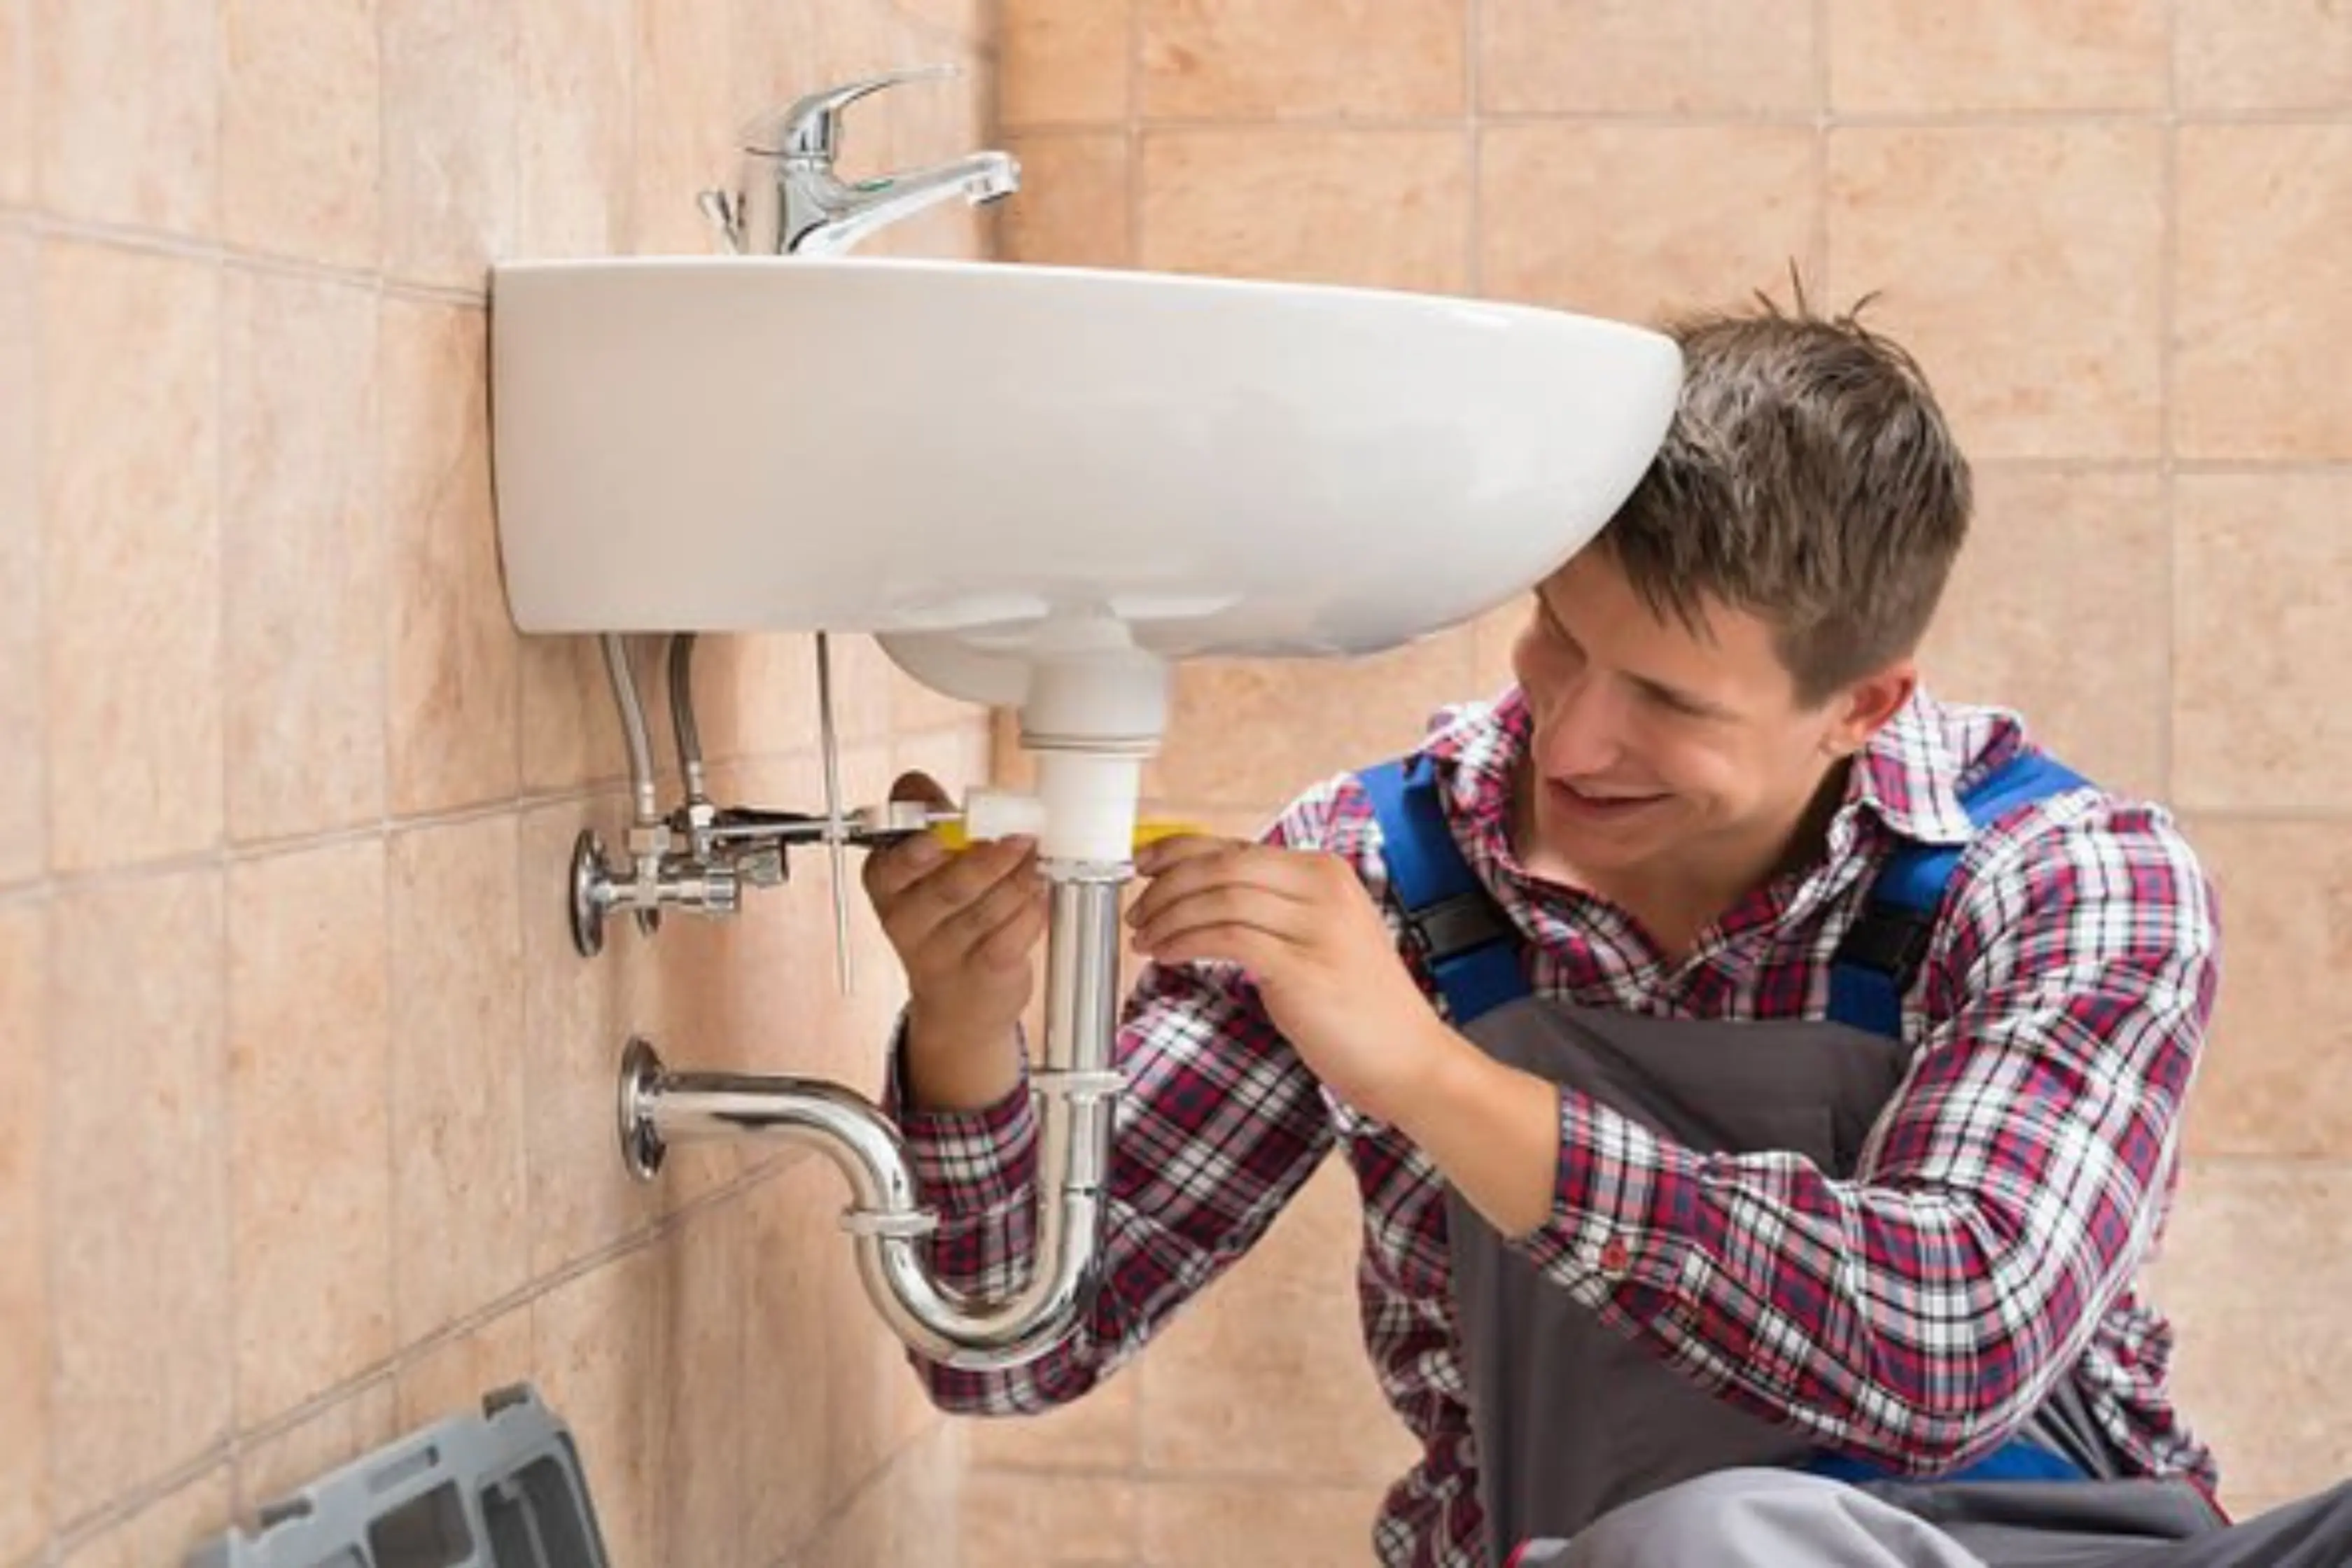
1573, 1421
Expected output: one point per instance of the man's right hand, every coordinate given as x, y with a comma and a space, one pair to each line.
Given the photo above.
965, 927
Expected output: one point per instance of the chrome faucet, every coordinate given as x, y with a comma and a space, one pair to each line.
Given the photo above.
791, 202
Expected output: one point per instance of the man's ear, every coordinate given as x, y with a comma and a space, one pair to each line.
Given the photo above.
1863, 707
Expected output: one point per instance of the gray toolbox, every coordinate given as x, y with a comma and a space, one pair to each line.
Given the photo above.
503, 1490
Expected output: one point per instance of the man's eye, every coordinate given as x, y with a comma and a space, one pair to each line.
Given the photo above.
1681, 707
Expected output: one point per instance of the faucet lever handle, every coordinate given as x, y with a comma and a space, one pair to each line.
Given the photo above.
809, 127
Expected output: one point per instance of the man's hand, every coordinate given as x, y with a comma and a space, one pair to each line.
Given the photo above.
965, 927
1303, 926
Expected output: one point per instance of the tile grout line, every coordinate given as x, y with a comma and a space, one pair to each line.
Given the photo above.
1823, 120
45, 663
1474, 16
380, 521
1680, 120
42, 224
381, 826
224, 1015
512, 87
516, 92
224, 1052
2258, 467
2167, 288
522, 1050
1132, 115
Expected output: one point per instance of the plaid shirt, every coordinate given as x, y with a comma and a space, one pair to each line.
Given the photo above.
1912, 1316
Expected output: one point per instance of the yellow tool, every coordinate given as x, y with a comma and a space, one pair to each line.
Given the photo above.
1147, 831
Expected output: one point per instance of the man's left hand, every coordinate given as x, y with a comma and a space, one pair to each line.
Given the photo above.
1303, 926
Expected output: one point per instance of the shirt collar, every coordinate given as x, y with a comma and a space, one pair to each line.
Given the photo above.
1909, 777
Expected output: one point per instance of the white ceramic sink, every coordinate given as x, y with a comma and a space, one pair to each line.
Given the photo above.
1037, 486
895, 446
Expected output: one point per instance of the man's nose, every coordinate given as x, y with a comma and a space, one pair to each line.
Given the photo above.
1580, 730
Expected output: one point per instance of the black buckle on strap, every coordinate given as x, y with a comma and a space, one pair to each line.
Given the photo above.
1889, 938
1453, 926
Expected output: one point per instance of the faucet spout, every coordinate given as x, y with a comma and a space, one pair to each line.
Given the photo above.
791, 200
824, 215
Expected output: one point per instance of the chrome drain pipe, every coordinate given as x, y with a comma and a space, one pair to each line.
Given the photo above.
1074, 1088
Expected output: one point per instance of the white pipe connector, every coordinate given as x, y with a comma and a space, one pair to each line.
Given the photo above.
998, 814
1088, 803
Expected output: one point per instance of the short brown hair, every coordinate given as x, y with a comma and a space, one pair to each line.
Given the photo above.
1809, 478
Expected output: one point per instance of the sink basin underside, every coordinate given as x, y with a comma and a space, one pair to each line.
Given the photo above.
1229, 467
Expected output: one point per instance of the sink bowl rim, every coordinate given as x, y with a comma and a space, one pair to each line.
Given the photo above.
962, 272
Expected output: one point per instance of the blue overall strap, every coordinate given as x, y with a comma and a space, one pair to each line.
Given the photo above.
1874, 966
1879, 957
2018, 1459
1472, 949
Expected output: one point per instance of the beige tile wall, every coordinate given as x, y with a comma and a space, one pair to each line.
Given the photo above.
2111, 228
308, 1137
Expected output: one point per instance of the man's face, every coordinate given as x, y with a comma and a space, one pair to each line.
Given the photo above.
1658, 750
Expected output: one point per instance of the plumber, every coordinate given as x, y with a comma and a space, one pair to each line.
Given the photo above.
1764, 1080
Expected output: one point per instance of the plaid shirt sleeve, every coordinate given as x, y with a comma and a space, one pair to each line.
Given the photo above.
1220, 1125
1916, 1314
